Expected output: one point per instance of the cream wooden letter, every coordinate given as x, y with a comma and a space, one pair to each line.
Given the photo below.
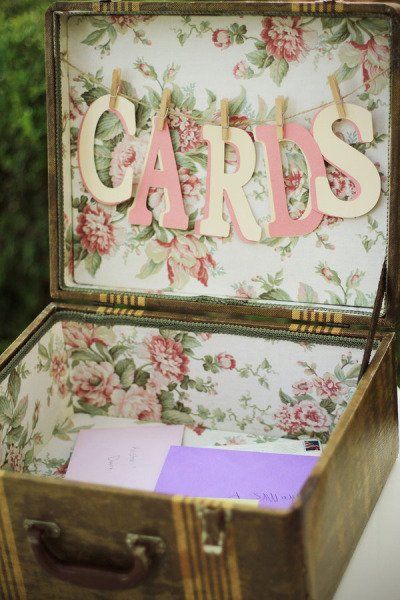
222, 186
125, 111
348, 160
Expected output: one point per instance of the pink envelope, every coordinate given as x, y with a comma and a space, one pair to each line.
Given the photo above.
131, 457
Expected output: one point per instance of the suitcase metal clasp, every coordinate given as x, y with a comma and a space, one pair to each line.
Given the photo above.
213, 528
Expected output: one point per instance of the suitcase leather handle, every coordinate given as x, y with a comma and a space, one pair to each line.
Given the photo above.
141, 547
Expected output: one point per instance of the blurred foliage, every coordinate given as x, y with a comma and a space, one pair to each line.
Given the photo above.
23, 169
24, 265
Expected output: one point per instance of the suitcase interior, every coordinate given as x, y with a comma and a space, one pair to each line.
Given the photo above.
228, 384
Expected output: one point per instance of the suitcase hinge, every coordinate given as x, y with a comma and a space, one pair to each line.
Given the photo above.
213, 528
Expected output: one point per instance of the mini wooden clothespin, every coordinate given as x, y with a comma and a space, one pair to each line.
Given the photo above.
279, 112
336, 96
225, 119
115, 87
164, 108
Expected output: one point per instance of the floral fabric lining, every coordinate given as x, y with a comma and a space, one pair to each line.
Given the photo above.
261, 390
253, 60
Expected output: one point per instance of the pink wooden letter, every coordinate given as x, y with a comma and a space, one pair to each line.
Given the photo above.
166, 177
282, 224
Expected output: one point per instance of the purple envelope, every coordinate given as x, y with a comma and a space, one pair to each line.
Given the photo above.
273, 479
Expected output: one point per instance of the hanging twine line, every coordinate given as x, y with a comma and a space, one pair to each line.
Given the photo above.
250, 121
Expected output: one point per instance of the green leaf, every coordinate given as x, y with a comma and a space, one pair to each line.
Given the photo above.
14, 385
90, 409
339, 373
167, 400
328, 405
43, 351
278, 70
258, 58
376, 25
236, 105
6, 409
109, 126
92, 263
154, 98
141, 377
176, 417
204, 412
345, 72
177, 96
334, 298
150, 268
14, 434
85, 356
279, 294
285, 398
340, 35
361, 299
93, 94
20, 411
94, 37
125, 369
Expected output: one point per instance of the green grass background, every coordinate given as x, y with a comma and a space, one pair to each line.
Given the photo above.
24, 259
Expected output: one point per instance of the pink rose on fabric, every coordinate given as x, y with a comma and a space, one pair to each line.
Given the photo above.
221, 38
242, 70
168, 357
95, 382
284, 37
58, 371
84, 335
189, 131
342, 186
156, 383
205, 336
327, 273
330, 221
302, 387
130, 153
97, 232
292, 181
374, 55
245, 291
135, 403
326, 387
190, 185
15, 459
225, 361
286, 420
311, 417
306, 416
185, 256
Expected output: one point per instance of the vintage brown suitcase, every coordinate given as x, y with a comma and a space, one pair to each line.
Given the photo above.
244, 343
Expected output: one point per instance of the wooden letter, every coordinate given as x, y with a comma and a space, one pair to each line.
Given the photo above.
222, 186
282, 225
166, 177
350, 161
125, 111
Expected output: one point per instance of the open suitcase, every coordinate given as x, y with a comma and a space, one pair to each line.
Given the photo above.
241, 342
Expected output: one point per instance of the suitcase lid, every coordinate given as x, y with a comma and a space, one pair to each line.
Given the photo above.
248, 53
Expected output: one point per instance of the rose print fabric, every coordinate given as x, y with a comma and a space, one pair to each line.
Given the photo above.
259, 390
249, 60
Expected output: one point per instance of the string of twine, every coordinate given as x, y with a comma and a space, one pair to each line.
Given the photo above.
250, 121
